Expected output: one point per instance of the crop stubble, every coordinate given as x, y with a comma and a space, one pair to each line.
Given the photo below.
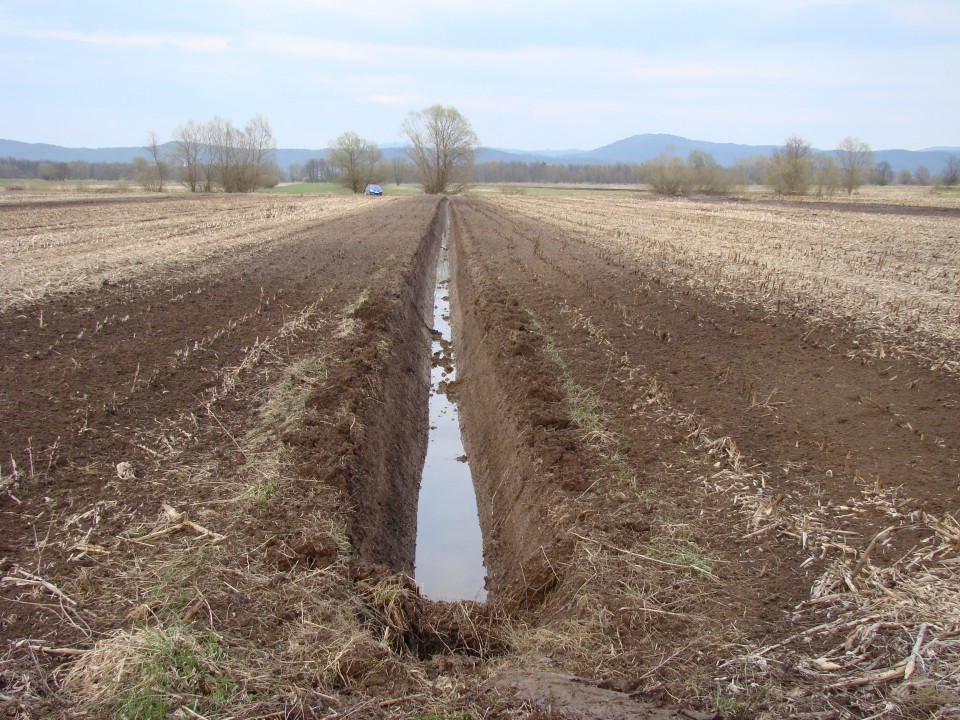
823, 426
715, 448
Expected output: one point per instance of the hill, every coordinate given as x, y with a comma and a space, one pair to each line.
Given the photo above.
635, 149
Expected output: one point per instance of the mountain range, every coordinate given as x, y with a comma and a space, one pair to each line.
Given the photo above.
635, 149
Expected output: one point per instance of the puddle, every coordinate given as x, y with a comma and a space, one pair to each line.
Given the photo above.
449, 561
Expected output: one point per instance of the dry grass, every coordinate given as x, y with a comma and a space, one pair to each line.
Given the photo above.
50, 247
879, 634
896, 278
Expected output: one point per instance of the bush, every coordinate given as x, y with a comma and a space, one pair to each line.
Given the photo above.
699, 174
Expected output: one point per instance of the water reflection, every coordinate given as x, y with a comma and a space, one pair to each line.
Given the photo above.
449, 564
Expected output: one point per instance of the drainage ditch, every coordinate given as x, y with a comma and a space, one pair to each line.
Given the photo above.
514, 421
449, 555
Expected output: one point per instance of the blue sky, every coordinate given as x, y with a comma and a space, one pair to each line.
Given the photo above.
529, 74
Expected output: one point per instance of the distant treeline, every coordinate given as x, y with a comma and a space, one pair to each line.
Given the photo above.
14, 169
699, 173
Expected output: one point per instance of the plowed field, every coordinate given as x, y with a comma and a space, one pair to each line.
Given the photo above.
715, 448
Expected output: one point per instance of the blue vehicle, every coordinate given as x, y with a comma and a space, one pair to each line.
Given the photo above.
373, 189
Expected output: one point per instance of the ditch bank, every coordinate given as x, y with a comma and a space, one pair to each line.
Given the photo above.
525, 453
370, 436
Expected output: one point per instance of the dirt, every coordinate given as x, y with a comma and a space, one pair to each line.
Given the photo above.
852, 206
230, 460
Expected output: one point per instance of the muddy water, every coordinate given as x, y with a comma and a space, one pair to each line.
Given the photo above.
449, 561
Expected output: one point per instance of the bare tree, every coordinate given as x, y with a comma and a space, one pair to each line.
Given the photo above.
666, 175
356, 159
220, 139
921, 176
316, 170
399, 169
855, 158
442, 145
159, 160
827, 175
145, 174
189, 151
241, 159
259, 149
295, 172
790, 171
951, 173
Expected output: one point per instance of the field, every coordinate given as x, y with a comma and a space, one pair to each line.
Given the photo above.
714, 443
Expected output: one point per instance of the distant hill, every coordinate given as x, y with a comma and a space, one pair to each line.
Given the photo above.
56, 153
641, 148
934, 160
635, 149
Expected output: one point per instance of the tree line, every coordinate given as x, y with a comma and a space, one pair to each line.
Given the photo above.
792, 169
440, 153
17, 169
202, 156
214, 155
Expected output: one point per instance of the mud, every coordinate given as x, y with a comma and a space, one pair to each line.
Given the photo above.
653, 466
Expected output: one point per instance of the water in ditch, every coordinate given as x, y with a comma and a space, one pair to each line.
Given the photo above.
449, 561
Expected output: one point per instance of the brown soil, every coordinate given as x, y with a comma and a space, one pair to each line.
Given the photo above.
231, 460
810, 431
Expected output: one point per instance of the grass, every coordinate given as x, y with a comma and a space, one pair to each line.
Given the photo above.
348, 323
356, 304
586, 410
150, 673
287, 403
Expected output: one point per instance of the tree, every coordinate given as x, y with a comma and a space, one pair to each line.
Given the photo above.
356, 159
145, 174
316, 170
188, 153
666, 175
883, 173
751, 169
159, 160
921, 176
257, 153
951, 174
53, 171
904, 177
699, 174
855, 158
827, 174
241, 159
442, 146
790, 170
399, 169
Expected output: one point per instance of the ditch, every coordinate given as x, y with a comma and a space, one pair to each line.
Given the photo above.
449, 554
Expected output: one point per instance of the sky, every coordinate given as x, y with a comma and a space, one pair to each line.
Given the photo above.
527, 74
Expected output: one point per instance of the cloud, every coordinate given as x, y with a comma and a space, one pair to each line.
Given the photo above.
929, 15
391, 13
192, 43
408, 99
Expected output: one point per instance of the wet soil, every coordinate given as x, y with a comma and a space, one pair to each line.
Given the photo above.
618, 551
121, 402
